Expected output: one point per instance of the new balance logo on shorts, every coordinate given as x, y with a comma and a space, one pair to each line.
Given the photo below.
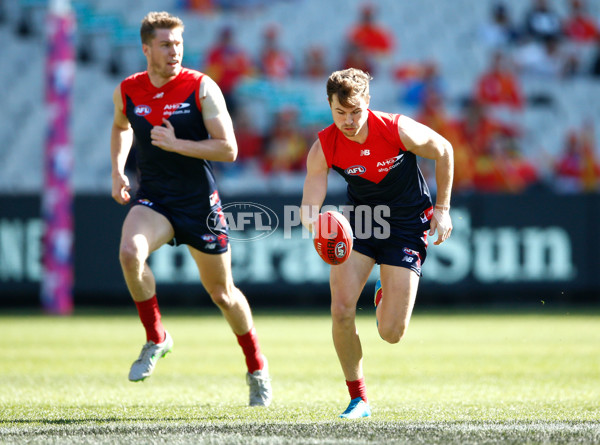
412, 257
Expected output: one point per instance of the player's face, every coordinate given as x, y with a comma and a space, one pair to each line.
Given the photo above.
350, 120
164, 53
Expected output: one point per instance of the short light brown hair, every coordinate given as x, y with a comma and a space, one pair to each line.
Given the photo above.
349, 85
158, 20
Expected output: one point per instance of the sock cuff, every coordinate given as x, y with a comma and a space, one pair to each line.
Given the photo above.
357, 388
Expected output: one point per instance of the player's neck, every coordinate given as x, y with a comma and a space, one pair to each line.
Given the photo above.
157, 80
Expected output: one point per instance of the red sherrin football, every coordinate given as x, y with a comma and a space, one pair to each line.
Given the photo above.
333, 237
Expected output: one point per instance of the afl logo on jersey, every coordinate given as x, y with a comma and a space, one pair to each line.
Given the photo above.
142, 110
355, 170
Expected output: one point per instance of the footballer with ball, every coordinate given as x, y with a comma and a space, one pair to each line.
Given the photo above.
376, 153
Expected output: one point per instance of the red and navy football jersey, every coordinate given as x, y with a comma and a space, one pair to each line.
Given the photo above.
167, 177
379, 171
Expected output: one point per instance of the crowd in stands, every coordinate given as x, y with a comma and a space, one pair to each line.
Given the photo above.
487, 132
547, 46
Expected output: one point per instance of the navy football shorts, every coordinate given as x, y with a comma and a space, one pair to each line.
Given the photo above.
401, 245
409, 250
192, 226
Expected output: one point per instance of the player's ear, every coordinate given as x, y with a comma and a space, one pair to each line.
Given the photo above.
145, 49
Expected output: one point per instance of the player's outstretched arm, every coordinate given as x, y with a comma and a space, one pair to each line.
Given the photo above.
221, 146
423, 141
315, 185
121, 138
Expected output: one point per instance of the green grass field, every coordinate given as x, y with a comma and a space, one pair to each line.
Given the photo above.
531, 377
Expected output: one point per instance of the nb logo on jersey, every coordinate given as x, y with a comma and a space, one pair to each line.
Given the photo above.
355, 170
159, 95
142, 110
365, 152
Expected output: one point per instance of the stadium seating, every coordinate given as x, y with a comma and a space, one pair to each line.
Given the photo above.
425, 30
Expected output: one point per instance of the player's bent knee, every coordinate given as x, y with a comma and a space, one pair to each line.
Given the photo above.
341, 312
222, 297
391, 334
129, 256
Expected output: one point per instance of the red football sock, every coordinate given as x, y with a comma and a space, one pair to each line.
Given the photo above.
150, 317
357, 388
251, 349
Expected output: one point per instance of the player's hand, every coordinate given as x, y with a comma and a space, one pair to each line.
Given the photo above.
120, 189
163, 136
308, 216
442, 223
